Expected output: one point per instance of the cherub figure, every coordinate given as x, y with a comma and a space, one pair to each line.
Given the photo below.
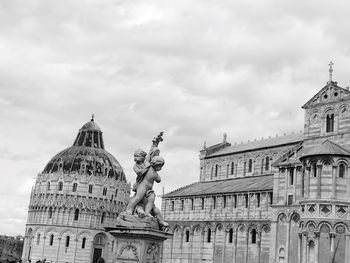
146, 168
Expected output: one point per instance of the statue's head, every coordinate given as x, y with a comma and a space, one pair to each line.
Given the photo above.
139, 156
157, 163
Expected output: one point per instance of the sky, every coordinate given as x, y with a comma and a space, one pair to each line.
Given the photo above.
193, 69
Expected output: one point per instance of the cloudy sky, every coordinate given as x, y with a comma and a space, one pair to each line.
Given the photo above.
193, 69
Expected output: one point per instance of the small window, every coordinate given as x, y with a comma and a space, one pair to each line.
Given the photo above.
103, 217
209, 235
51, 240
203, 202
216, 170
235, 201
67, 241
258, 200
342, 169
187, 236
75, 185
116, 193
230, 235
60, 186
290, 199
38, 240
267, 163
214, 202
83, 243
330, 123
50, 212
246, 197
172, 205
76, 214
104, 192
250, 166
232, 167
254, 236
182, 205
224, 201
90, 188
291, 176
271, 197
314, 170
112, 248
192, 204
48, 186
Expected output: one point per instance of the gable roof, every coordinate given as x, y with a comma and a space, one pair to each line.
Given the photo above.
327, 148
328, 93
271, 142
242, 184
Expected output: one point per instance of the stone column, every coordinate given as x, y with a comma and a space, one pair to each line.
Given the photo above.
317, 246
302, 183
334, 181
332, 237
235, 245
259, 246
307, 188
288, 240
319, 170
304, 247
300, 239
58, 250
347, 246
43, 250
295, 183
286, 186
246, 247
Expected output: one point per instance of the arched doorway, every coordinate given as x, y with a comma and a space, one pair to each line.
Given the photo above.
98, 248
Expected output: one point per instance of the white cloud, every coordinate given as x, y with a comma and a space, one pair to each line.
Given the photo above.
194, 69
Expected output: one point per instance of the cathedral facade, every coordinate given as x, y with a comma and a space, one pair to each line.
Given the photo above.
274, 200
80, 192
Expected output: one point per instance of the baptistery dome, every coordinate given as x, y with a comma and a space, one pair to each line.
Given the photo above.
87, 155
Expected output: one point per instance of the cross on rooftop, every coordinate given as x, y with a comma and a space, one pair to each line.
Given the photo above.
330, 70
92, 117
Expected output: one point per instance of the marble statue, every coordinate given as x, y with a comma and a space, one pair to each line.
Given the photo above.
141, 206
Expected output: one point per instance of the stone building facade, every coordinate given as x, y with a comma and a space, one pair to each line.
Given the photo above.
80, 192
275, 200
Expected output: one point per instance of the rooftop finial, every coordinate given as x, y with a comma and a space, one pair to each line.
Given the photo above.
205, 145
92, 117
225, 137
330, 71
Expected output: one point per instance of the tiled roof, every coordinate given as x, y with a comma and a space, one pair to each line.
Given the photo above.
242, 184
287, 139
327, 148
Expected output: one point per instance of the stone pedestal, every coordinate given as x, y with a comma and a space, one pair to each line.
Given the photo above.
142, 245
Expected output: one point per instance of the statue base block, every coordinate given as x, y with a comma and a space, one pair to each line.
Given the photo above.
135, 244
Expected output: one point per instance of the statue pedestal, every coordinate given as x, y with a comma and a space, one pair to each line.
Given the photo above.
138, 244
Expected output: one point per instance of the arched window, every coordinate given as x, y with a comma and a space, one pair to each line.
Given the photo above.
224, 201
67, 241
314, 170
235, 201
330, 123
230, 235
246, 200
75, 185
203, 203
51, 240
48, 186
83, 243
258, 200
104, 191
103, 217
232, 167
214, 202
267, 163
50, 212
216, 169
342, 169
187, 236
60, 186
291, 176
254, 236
76, 214
38, 240
250, 166
209, 235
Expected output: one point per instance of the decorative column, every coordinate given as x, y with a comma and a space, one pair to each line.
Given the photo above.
58, 250
300, 240
317, 246
288, 240
302, 182
295, 183
246, 247
308, 182
334, 181
286, 186
332, 237
319, 170
235, 245
347, 246
43, 250
259, 246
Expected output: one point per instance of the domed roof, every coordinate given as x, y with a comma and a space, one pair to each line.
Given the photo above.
87, 156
